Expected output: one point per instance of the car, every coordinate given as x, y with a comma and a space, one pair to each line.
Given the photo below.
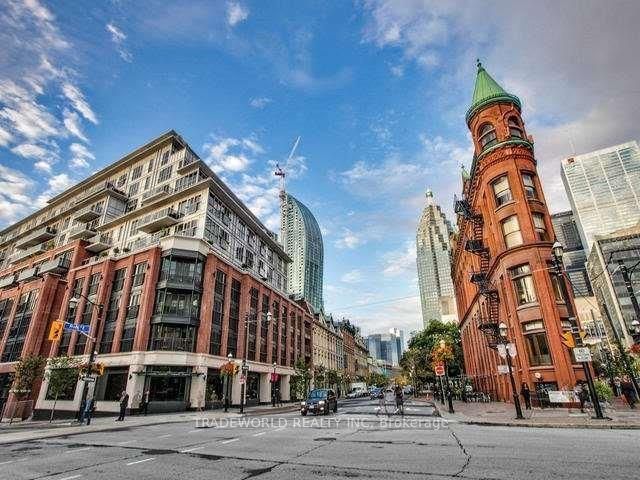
375, 393
320, 401
353, 394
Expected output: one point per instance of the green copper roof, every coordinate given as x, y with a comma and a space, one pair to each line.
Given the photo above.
488, 91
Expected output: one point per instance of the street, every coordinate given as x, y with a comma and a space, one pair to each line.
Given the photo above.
351, 444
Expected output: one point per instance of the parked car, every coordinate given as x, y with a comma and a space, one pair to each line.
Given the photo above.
375, 393
320, 401
407, 389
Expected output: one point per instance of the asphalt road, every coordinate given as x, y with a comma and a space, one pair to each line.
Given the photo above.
352, 444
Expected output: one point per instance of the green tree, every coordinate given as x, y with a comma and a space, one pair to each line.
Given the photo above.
332, 378
377, 379
319, 376
62, 376
299, 383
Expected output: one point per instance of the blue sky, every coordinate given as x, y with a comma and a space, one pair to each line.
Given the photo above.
376, 89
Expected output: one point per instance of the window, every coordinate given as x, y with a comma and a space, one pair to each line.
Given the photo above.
218, 310
234, 317
139, 270
557, 286
118, 280
514, 128
164, 174
147, 183
133, 189
501, 190
540, 227
511, 231
239, 253
529, 186
523, 284
487, 136
6, 306
538, 348
135, 174
94, 283
165, 158
122, 179
150, 166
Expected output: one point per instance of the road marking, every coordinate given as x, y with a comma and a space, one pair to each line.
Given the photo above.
165, 436
70, 478
10, 461
78, 450
192, 449
141, 461
126, 442
258, 434
232, 440
279, 429
197, 430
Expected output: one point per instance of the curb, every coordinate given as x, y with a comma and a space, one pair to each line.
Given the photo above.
549, 425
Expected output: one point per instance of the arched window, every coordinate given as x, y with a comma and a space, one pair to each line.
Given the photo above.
514, 128
487, 135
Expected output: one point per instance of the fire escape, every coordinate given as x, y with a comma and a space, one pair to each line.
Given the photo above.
476, 246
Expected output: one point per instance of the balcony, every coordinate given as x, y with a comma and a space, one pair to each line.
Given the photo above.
186, 160
99, 243
57, 266
27, 274
89, 213
103, 188
180, 282
132, 311
159, 220
40, 235
8, 281
156, 194
83, 231
30, 252
479, 278
474, 246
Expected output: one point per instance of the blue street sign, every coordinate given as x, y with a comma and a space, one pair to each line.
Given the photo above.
81, 327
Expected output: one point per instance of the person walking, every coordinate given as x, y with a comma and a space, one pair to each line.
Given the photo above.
580, 394
382, 404
526, 394
628, 391
124, 402
144, 403
399, 396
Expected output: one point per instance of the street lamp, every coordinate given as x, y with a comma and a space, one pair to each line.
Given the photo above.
635, 330
273, 384
557, 251
226, 385
248, 318
73, 303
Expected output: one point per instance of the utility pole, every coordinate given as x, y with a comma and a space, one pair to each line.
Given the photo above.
629, 286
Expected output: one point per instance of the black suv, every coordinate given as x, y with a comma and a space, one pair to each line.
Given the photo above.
320, 400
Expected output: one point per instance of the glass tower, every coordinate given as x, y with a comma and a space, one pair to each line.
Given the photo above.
574, 258
604, 190
433, 258
302, 241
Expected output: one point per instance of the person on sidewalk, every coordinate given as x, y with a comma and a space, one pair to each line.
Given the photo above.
628, 391
382, 404
124, 402
399, 400
526, 394
144, 403
580, 395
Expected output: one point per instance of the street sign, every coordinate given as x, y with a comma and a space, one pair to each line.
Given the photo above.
568, 340
88, 379
80, 327
502, 369
439, 369
582, 354
511, 348
55, 332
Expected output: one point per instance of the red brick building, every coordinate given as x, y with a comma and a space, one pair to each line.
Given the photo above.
178, 263
502, 253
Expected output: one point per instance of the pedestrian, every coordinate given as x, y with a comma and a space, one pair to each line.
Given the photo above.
382, 404
580, 395
526, 394
628, 391
144, 403
89, 406
617, 384
278, 398
124, 402
399, 400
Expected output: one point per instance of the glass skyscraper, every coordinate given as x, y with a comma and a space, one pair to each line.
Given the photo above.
604, 190
575, 257
302, 241
433, 256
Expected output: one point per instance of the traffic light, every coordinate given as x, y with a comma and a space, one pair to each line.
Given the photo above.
55, 332
568, 339
98, 369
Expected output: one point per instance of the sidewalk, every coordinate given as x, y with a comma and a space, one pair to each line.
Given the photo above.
36, 430
503, 414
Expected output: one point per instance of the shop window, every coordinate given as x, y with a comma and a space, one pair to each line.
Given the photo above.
111, 384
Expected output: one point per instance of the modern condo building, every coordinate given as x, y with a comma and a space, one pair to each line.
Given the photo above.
178, 265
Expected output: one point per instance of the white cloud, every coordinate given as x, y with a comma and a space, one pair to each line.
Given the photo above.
5, 137
231, 154
80, 156
400, 261
42, 166
236, 13
56, 184
78, 101
259, 102
72, 123
118, 37
29, 150
348, 240
352, 276
15, 199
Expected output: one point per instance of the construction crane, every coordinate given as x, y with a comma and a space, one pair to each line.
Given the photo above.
279, 171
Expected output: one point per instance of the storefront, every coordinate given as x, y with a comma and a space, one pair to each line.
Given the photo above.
168, 388
252, 395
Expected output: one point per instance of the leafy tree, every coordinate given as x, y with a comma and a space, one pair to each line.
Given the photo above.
62, 376
300, 380
28, 370
319, 376
377, 379
332, 378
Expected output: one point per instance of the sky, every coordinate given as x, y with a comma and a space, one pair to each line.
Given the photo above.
376, 89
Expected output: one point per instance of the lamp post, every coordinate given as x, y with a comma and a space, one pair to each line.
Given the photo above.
248, 319
273, 385
226, 386
635, 330
503, 333
557, 251
73, 303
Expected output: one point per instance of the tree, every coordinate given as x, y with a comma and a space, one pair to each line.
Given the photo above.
319, 376
377, 379
28, 370
332, 378
299, 383
62, 376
